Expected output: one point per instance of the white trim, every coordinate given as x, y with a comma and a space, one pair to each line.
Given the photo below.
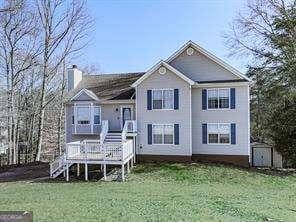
218, 99
208, 55
169, 67
86, 91
248, 125
121, 116
162, 89
162, 124
219, 134
190, 123
92, 118
129, 101
220, 85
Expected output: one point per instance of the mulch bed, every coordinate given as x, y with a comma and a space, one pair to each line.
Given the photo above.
29, 171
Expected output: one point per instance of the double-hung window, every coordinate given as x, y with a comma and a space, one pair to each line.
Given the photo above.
218, 98
83, 115
163, 133
163, 99
87, 115
219, 133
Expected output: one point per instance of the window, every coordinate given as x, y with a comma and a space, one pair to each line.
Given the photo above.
163, 133
163, 99
83, 115
218, 98
97, 115
219, 133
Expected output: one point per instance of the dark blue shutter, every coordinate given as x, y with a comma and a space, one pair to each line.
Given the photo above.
149, 99
176, 134
232, 98
233, 133
204, 133
176, 98
149, 133
204, 99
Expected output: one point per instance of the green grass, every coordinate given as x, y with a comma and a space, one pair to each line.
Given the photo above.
196, 192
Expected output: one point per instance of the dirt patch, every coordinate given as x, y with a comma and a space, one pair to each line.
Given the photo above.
24, 172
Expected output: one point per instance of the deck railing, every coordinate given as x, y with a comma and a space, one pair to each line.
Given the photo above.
130, 126
93, 150
104, 131
127, 149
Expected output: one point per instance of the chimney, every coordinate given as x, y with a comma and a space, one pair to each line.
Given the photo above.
74, 77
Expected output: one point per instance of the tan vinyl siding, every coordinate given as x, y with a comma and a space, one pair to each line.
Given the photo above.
239, 116
180, 116
200, 68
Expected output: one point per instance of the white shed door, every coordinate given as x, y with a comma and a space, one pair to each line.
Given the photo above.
261, 157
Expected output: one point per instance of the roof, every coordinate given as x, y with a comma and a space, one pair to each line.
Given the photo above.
108, 86
210, 56
169, 67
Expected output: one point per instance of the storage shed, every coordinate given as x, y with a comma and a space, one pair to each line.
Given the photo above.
264, 155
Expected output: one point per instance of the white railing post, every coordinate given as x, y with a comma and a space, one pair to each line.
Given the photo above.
104, 131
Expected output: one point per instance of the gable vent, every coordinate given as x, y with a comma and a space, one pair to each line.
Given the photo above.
190, 51
162, 70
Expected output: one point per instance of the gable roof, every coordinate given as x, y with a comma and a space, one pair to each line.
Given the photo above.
169, 67
87, 92
106, 86
208, 55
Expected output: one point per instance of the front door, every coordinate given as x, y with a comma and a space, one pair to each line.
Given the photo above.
126, 114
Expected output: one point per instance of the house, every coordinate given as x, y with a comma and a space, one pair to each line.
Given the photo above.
191, 106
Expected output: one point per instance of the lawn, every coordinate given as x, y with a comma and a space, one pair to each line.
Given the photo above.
196, 192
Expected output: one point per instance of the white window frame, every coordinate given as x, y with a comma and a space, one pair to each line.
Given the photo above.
161, 98
208, 138
212, 89
76, 115
162, 124
91, 114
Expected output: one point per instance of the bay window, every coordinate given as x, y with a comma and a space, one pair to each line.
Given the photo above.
85, 115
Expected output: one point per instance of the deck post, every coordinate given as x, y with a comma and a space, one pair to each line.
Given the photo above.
135, 144
86, 171
105, 172
128, 165
67, 171
132, 163
78, 169
122, 172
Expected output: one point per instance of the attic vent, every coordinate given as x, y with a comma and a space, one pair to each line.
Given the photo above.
162, 70
190, 51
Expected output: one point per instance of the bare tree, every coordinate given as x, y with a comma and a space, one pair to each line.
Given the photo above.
65, 27
17, 55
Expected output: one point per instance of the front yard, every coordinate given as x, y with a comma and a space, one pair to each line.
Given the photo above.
196, 192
